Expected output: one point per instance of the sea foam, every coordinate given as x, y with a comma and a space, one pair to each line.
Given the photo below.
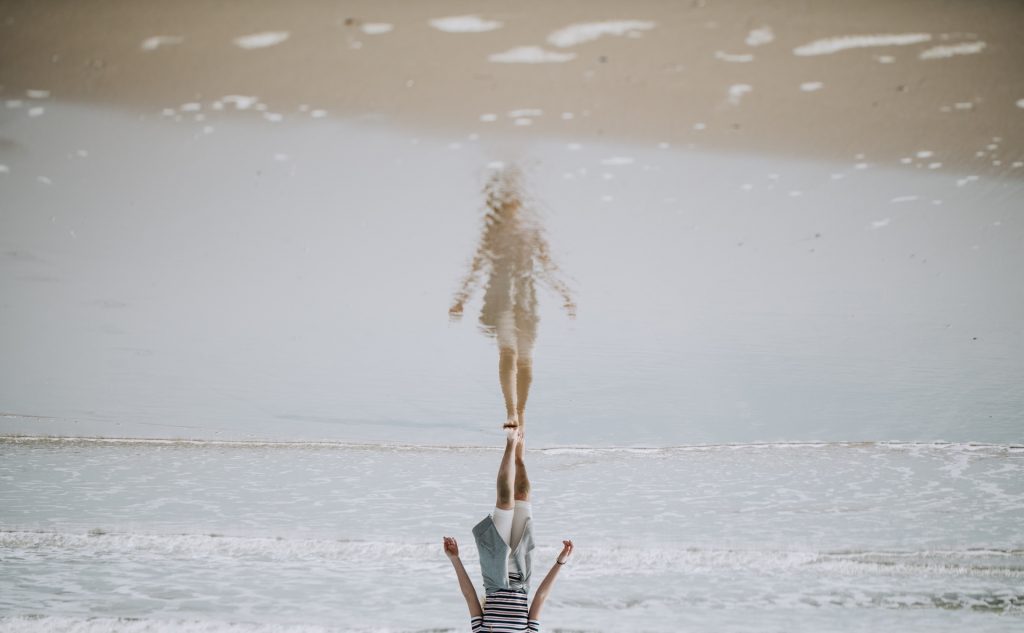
588, 31
830, 45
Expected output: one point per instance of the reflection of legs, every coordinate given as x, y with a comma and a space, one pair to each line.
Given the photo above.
524, 376
505, 476
507, 375
526, 334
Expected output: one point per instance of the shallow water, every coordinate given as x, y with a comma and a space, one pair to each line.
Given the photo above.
290, 281
195, 536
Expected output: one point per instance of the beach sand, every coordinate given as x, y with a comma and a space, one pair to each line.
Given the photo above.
920, 76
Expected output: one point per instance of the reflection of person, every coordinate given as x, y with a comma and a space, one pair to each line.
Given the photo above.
516, 255
505, 542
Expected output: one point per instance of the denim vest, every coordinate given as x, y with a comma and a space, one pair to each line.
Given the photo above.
494, 556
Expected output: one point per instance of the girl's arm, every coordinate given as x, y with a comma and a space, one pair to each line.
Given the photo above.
451, 549
549, 581
469, 283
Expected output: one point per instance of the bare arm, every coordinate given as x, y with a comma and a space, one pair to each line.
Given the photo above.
469, 283
545, 586
451, 549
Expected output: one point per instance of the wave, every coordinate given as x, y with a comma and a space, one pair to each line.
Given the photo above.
589, 561
551, 450
70, 624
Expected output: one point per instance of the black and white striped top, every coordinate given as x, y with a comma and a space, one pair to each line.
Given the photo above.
505, 611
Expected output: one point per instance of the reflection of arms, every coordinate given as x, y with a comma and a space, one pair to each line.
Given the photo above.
549, 581
451, 549
469, 283
549, 273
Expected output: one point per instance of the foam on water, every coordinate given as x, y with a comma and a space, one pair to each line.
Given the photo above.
592, 561
737, 91
760, 36
157, 41
944, 52
261, 40
178, 534
376, 28
830, 45
465, 24
582, 32
530, 55
735, 58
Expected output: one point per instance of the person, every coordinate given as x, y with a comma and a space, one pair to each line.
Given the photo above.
513, 249
505, 542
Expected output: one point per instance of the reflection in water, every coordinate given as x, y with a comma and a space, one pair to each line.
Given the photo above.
515, 255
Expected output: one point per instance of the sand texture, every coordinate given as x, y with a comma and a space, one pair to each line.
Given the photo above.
822, 79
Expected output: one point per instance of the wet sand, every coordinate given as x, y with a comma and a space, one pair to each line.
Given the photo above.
942, 78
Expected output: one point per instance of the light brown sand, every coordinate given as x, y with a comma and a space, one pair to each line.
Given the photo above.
652, 88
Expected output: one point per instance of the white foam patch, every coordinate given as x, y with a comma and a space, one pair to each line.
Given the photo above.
261, 40
489, 117
377, 28
619, 160
877, 224
241, 102
515, 114
191, 107
924, 153
4, 169
522, 122
741, 58
318, 114
1020, 103
589, 31
899, 199
155, 42
944, 52
830, 45
36, 111
465, 24
273, 117
760, 36
530, 55
736, 92
966, 180
885, 59
811, 86
37, 94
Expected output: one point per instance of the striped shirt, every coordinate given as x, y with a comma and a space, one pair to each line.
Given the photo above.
505, 611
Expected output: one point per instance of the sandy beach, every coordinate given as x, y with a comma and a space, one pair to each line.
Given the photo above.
827, 78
